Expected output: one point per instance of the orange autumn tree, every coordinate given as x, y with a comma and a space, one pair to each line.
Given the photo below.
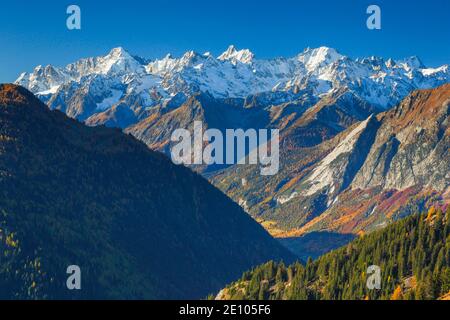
431, 213
398, 294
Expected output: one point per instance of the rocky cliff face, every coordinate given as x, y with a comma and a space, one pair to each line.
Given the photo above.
411, 147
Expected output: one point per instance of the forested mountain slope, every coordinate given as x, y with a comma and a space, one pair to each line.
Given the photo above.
413, 255
137, 225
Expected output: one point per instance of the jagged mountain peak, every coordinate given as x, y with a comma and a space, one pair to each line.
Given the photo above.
232, 54
118, 52
390, 63
412, 62
314, 58
117, 61
189, 55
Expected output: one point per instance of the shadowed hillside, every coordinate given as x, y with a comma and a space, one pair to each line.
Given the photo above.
137, 225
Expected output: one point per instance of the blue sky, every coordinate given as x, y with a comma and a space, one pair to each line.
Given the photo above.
34, 32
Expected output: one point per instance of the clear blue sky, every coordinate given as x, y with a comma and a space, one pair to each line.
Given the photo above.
34, 32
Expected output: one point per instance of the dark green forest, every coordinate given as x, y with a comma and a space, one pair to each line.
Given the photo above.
413, 255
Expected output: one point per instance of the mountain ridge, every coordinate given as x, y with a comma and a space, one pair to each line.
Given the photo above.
120, 77
376, 170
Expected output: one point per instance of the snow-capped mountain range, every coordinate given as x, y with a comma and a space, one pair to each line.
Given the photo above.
356, 136
94, 85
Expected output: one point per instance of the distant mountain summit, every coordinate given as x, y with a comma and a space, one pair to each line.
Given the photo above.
235, 56
137, 225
